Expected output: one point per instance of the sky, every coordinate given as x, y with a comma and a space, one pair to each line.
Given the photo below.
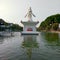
13, 11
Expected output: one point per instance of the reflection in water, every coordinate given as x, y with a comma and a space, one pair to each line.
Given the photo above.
29, 43
52, 38
59, 36
4, 37
1, 40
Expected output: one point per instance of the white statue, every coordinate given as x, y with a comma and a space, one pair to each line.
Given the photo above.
29, 14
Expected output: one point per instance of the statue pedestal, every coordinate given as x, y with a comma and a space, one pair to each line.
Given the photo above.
29, 28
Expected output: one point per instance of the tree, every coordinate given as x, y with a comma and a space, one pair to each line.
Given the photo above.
55, 26
43, 25
16, 27
50, 22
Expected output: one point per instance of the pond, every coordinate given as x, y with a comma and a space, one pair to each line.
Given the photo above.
45, 46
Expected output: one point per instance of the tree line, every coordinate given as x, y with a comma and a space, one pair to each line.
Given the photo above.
50, 23
13, 27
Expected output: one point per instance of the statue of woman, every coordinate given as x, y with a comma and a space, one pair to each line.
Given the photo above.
29, 14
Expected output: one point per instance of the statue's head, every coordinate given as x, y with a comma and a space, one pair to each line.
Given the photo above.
30, 10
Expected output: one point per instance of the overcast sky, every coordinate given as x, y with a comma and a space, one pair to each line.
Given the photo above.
13, 11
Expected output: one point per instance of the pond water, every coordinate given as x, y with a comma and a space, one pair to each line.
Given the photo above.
45, 46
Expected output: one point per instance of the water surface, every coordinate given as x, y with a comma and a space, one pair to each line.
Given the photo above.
45, 46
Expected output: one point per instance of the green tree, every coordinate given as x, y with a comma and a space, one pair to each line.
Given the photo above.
50, 22
55, 26
43, 25
16, 27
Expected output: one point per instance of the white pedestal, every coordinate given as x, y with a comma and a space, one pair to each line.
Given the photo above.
29, 28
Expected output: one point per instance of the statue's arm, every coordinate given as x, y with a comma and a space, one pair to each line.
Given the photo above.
26, 15
33, 15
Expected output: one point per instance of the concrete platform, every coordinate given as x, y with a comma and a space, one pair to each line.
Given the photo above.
29, 33
4, 33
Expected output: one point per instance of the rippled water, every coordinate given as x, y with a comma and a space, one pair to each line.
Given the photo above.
45, 46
